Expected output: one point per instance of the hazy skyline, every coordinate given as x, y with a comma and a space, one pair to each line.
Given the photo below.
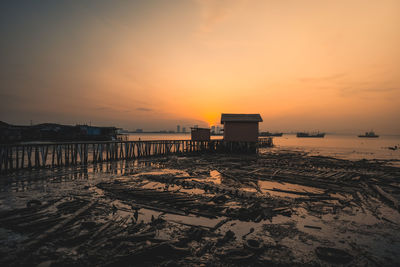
303, 65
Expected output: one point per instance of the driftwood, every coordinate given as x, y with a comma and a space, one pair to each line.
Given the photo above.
100, 230
295, 192
190, 224
387, 196
220, 223
312, 227
52, 230
112, 235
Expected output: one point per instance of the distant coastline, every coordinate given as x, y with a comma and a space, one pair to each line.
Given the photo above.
55, 132
154, 132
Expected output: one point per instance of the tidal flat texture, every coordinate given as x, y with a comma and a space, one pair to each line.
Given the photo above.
275, 208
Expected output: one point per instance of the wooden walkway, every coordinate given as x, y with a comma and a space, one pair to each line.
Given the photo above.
40, 155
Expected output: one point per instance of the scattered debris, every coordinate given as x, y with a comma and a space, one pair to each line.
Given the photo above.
203, 210
333, 255
313, 227
387, 196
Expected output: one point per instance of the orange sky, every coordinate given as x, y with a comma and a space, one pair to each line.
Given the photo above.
304, 65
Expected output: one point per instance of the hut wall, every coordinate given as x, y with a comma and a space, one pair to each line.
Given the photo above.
241, 131
199, 134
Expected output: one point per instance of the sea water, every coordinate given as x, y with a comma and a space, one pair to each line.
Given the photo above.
344, 146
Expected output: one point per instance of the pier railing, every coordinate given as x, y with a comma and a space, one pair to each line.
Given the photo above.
40, 155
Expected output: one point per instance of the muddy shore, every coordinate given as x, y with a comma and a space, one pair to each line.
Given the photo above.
275, 208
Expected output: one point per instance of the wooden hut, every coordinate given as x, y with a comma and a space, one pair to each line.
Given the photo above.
200, 134
241, 127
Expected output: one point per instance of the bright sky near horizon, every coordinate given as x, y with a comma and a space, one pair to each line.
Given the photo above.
303, 65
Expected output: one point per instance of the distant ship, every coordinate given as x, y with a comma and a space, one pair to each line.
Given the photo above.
270, 134
303, 134
370, 134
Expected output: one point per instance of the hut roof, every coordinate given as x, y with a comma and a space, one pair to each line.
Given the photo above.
240, 118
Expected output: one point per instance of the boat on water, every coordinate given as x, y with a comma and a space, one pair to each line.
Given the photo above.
370, 134
270, 134
304, 134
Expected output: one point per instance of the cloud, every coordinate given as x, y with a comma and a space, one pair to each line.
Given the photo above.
351, 91
380, 90
323, 78
215, 11
144, 109
103, 108
112, 109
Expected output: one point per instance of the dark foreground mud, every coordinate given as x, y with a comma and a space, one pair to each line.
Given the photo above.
277, 208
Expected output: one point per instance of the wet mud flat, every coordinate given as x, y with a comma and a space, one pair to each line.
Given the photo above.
275, 208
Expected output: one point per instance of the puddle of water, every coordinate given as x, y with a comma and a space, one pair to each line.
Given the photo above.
195, 191
174, 172
172, 188
268, 186
341, 231
249, 189
154, 185
215, 177
145, 215
192, 220
241, 228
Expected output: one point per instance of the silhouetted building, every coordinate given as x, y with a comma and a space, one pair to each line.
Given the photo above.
178, 128
200, 134
90, 130
183, 129
216, 130
241, 127
55, 132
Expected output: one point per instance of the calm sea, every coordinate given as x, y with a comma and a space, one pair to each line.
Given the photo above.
334, 145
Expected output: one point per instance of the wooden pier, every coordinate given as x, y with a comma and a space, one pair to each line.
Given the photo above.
41, 155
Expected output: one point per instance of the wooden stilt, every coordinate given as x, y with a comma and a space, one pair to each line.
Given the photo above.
62, 154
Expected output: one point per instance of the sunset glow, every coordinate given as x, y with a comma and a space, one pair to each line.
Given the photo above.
200, 133
303, 65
